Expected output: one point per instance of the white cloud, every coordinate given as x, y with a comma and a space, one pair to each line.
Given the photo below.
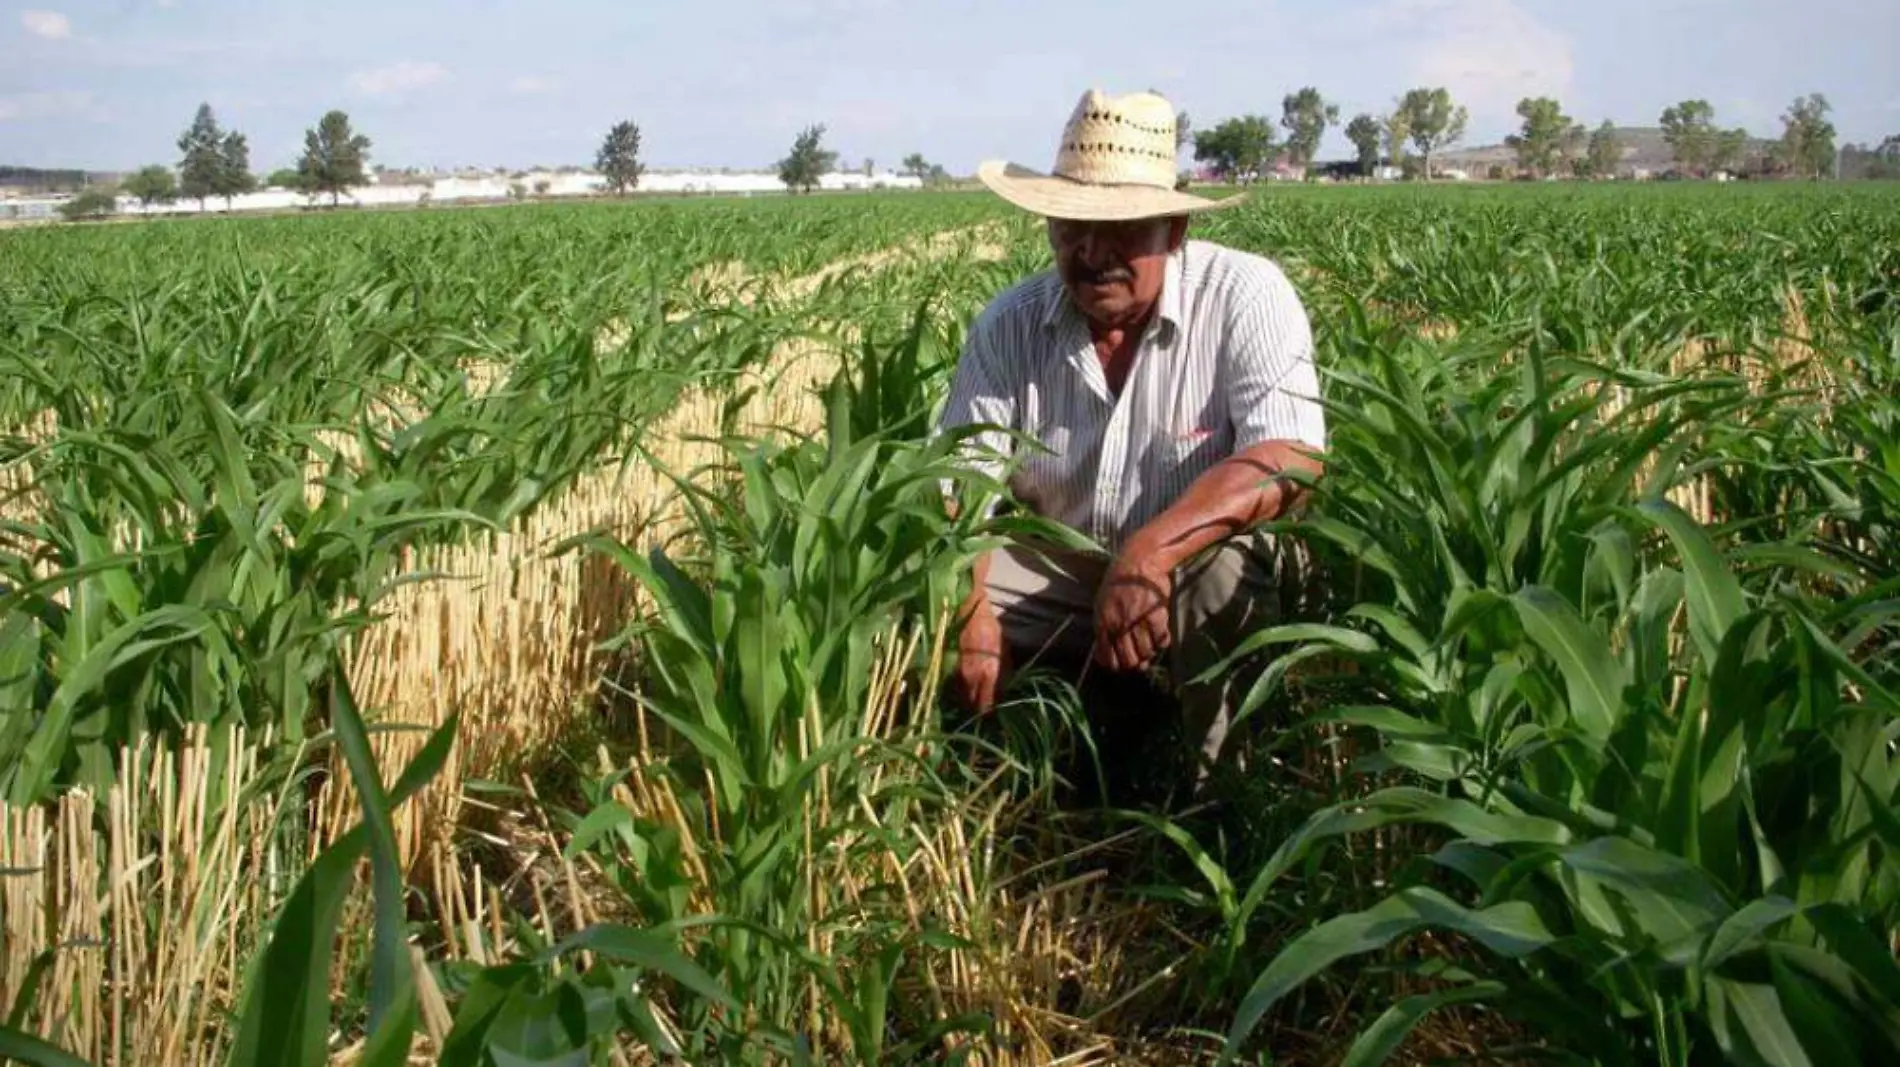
48, 24
24, 107
1489, 53
398, 77
531, 84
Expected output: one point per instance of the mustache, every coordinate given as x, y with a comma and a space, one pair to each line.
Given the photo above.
1086, 275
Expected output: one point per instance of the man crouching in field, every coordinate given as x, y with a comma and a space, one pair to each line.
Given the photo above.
1172, 383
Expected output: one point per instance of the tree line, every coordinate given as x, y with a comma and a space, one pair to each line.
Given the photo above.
618, 161
1247, 147
215, 163
1427, 121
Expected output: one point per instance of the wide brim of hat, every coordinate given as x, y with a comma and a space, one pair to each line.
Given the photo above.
1056, 197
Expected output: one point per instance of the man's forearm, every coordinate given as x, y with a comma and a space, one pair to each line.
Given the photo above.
1240, 491
978, 597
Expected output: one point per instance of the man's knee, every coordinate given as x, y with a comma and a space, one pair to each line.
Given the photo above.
1230, 588
1044, 600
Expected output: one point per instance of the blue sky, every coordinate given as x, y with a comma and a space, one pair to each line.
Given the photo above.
108, 84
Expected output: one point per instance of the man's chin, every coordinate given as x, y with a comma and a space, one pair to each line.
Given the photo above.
1101, 303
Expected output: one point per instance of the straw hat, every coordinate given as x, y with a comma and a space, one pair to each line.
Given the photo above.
1116, 161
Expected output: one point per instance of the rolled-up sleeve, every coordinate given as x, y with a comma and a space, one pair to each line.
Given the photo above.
1273, 392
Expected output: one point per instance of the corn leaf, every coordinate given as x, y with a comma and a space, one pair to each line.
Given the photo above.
1511, 929
1715, 598
1376, 1043
1751, 1026
31, 1051
1593, 677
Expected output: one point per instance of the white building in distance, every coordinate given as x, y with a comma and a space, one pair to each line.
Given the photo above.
476, 189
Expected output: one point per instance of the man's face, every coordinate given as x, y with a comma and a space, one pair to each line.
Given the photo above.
1114, 270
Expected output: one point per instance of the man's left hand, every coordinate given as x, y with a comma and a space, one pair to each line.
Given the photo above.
1132, 614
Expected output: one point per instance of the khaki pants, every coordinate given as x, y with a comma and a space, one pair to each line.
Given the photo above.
1046, 600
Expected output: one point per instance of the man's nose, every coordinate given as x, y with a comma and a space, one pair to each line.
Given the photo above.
1092, 248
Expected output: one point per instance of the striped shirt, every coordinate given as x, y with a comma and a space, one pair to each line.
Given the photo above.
1224, 364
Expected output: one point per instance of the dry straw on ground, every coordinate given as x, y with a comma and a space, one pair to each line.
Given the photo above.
510, 640
153, 918
20, 501
514, 649
150, 921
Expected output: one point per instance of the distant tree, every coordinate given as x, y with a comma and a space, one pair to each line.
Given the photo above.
1885, 161
1605, 153
542, 186
925, 171
1364, 132
1807, 140
333, 156
152, 185
1398, 129
1306, 116
1547, 137
1238, 149
1727, 149
1871, 163
1689, 129
92, 203
234, 167
285, 178
1770, 161
619, 158
201, 163
808, 160
1434, 121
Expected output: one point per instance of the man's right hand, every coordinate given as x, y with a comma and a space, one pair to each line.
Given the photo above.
982, 659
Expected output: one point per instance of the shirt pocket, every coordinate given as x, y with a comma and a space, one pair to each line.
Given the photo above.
1185, 454
1056, 440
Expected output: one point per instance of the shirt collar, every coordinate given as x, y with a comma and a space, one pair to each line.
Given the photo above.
1061, 309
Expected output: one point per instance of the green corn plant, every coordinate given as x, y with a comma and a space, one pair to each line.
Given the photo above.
547, 1008
759, 665
1730, 888
146, 595
1449, 483
1649, 765
541, 1008
1688, 829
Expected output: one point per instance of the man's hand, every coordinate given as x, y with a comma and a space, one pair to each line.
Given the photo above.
1132, 624
982, 659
